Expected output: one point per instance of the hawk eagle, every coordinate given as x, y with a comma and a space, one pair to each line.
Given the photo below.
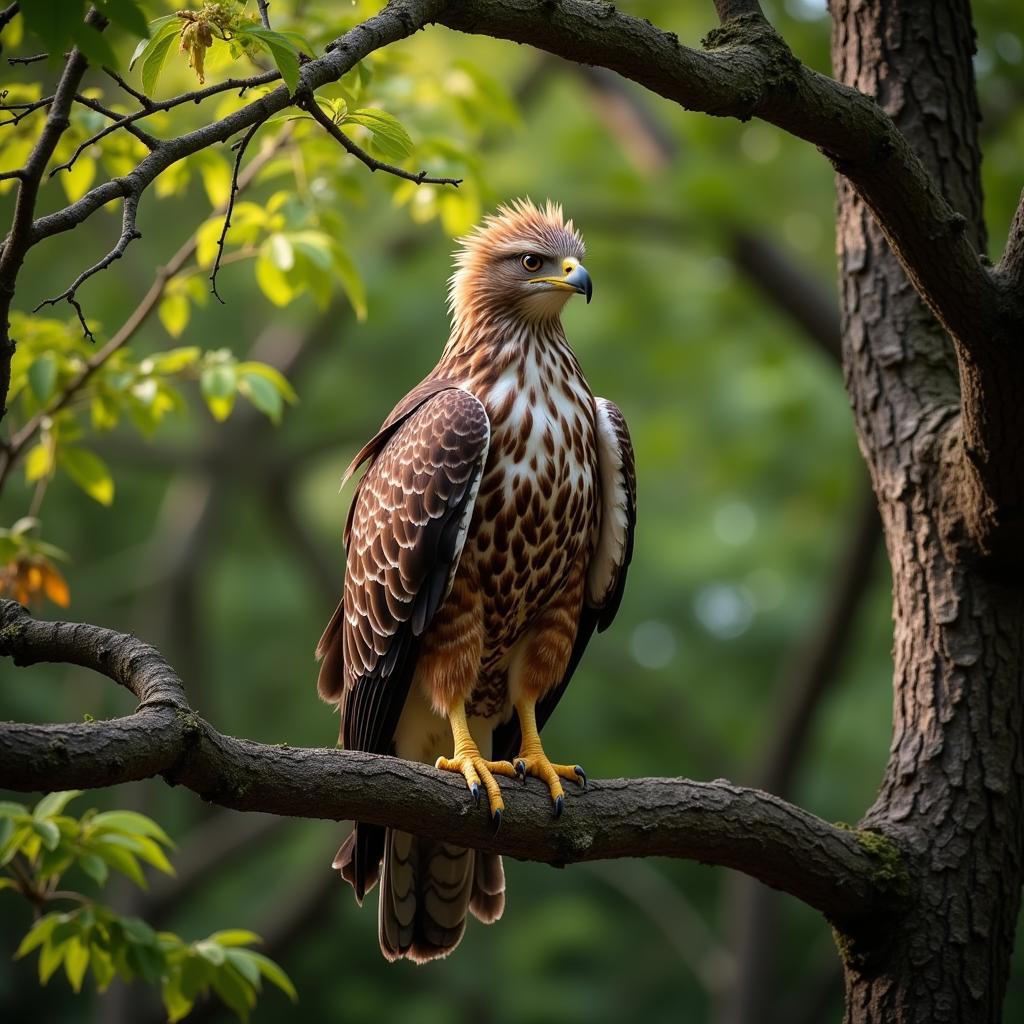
487, 539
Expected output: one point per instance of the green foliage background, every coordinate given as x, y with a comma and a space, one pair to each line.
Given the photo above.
749, 484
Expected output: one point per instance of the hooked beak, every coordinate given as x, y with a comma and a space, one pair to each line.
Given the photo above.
580, 280
575, 279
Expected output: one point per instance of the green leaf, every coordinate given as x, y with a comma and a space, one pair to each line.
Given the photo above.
95, 867
47, 832
94, 45
245, 965
262, 394
76, 961
173, 361
127, 14
130, 822
275, 974
351, 281
154, 54
14, 844
9, 809
54, 803
236, 992
7, 883
54, 22
389, 135
102, 966
89, 471
271, 280
38, 934
121, 860
218, 384
136, 930
155, 28
39, 462
152, 854
148, 961
42, 376
174, 312
273, 375
210, 951
176, 1003
282, 49
234, 937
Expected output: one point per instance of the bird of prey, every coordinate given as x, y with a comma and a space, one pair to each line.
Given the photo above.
488, 538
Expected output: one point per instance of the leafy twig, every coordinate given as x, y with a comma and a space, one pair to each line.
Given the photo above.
153, 106
421, 177
138, 317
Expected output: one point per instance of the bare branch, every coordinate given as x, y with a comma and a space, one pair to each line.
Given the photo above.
24, 108
360, 154
263, 6
129, 232
34, 59
128, 88
239, 153
827, 867
8, 13
149, 141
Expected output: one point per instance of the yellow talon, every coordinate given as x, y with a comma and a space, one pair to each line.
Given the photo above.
468, 762
531, 759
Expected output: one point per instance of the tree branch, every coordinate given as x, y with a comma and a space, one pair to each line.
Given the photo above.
827, 867
242, 146
420, 177
129, 232
747, 70
21, 236
8, 13
135, 320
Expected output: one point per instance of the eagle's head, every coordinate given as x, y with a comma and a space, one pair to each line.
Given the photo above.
523, 263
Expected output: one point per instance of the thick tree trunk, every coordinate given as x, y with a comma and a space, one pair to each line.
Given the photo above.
954, 785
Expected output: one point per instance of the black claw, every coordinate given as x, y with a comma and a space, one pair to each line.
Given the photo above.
559, 806
497, 819
475, 791
582, 775
521, 770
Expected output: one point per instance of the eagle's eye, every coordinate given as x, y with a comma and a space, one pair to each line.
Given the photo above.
532, 262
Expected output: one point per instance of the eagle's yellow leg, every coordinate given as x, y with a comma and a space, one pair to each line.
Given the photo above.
531, 759
468, 761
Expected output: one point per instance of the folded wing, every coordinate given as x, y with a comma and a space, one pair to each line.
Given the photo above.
406, 530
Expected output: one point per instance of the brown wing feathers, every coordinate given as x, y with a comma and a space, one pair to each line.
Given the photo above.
407, 528
404, 537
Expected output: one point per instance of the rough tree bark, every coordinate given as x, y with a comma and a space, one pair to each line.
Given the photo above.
952, 794
925, 897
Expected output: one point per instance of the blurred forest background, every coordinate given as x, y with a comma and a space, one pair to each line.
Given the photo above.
754, 639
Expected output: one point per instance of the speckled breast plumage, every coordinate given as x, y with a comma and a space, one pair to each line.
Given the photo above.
536, 518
